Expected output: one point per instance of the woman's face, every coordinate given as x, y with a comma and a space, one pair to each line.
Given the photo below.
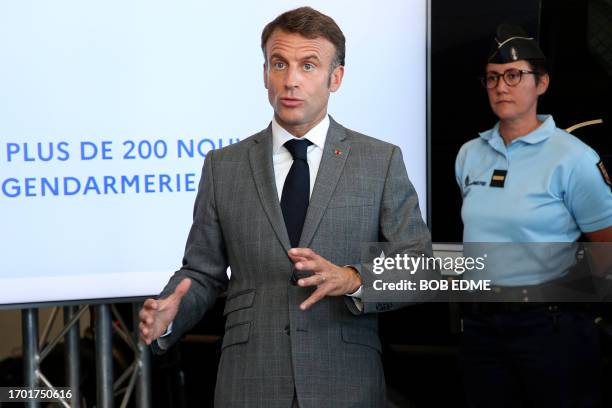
514, 103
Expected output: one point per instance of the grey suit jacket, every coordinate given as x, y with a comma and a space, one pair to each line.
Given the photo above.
328, 356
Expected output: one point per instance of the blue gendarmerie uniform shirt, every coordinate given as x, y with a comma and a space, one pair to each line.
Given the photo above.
552, 191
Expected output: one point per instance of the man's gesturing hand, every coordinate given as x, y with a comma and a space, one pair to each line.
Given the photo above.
156, 315
330, 279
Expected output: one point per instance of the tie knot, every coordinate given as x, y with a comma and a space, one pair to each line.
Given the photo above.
298, 148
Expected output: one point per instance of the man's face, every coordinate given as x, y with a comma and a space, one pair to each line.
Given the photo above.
519, 101
297, 77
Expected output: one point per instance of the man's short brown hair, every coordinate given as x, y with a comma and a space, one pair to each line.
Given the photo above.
309, 23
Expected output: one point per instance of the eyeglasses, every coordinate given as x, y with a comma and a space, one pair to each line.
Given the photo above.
511, 76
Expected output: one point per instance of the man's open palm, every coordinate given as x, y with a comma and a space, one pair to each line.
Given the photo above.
156, 315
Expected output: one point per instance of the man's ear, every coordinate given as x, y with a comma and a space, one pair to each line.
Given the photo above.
265, 75
335, 79
543, 83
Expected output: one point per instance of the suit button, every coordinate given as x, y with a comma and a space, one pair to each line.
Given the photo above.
287, 330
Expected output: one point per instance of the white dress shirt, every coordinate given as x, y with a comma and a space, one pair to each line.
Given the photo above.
283, 160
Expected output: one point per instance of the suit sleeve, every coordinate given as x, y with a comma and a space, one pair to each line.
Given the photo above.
400, 223
204, 262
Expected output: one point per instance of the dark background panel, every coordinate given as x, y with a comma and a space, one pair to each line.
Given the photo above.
575, 35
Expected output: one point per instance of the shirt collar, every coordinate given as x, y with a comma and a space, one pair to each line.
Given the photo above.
542, 132
316, 135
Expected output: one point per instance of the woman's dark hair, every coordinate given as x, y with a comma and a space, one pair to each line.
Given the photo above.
538, 65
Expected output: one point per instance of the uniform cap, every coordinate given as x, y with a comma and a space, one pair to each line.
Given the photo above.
511, 43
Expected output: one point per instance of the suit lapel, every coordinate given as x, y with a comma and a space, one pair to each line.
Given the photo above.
335, 152
260, 157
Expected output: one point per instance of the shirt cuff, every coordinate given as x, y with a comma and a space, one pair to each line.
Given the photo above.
162, 341
169, 329
358, 303
356, 294
356, 298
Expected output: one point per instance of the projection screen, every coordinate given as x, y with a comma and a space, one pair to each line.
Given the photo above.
107, 110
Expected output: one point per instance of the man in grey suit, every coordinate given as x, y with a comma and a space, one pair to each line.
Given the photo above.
288, 210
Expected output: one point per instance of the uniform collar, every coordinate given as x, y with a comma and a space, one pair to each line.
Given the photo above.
543, 132
316, 135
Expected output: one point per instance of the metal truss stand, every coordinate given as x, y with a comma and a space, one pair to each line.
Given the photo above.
139, 372
143, 389
35, 350
104, 357
29, 328
137, 375
72, 355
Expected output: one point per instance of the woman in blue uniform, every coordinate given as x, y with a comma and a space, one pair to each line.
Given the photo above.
527, 181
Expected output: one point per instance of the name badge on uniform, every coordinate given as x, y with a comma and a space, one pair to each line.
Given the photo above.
604, 173
498, 179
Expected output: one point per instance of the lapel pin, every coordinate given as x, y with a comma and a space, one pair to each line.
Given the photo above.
337, 152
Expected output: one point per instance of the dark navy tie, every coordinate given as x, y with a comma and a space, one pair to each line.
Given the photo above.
296, 191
